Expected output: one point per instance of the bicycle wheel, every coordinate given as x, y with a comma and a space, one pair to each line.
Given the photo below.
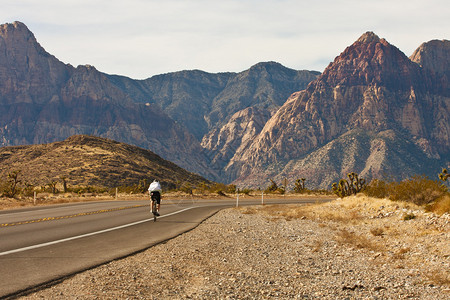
154, 210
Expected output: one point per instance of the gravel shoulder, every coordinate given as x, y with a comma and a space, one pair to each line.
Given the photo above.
352, 248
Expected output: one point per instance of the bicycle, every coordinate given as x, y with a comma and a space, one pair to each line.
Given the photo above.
155, 213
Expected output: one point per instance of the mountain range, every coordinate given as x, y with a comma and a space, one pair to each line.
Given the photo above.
373, 111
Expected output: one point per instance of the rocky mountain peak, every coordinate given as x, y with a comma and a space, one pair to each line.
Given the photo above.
369, 37
369, 90
11, 28
434, 58
32, 74
433, 55
369, 61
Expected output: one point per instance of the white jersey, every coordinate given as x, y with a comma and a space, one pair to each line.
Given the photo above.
154, 186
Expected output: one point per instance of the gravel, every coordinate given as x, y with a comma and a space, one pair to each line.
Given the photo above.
288, 252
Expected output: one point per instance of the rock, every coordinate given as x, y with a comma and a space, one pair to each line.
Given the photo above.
353, 117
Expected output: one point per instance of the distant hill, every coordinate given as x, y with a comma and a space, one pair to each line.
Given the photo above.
92, 161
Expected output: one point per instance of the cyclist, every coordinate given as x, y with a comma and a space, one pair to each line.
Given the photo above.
155, 195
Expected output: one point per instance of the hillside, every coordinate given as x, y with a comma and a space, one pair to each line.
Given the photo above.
91, 161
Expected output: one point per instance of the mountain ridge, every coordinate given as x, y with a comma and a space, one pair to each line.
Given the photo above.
150, 113
243, 127
355, 91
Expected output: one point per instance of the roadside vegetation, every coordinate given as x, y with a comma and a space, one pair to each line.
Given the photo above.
433, 195
404, 223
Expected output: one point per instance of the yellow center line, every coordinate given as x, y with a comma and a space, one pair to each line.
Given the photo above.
70, 216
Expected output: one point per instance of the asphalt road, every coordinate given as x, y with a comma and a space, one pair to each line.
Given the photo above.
42, 245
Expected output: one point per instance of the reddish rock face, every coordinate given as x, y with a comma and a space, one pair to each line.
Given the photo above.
371, 60
372, 86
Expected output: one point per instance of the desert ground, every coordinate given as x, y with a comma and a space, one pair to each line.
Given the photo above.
351, 248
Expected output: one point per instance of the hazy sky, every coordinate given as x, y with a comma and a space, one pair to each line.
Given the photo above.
142, 38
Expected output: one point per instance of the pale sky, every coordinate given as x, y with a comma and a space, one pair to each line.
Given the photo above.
142, 38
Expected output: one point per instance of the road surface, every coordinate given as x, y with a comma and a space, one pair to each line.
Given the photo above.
42, 245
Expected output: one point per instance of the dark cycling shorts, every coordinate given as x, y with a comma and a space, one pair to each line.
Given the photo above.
156, 196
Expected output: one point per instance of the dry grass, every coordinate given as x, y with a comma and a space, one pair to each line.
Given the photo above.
248, 210
378, 225
400, 254
359, 241
438, 277
316, 246
377, 231
441, 206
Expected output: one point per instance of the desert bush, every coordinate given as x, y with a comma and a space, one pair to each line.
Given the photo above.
441, 205
221, 188
358, 241
88, 189
377, 188
245, 191
186, 188
274, 188
409, 216
52, 187
419, 190
28, 190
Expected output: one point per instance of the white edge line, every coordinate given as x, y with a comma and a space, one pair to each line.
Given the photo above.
87, 234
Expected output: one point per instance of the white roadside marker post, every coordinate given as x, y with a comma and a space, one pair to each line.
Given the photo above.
237, 198
262, 198
34, 199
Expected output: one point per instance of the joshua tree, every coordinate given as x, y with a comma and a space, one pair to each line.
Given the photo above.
64, 180
273, 187
444, 175
144, 185
52, 186
356, 184
346, 188
299, 185
11, 187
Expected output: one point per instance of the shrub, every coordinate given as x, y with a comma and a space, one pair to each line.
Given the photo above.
187, 188
441, 205
409, 216
221, 188
377, 188
419, 190
245, 191
273, 187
